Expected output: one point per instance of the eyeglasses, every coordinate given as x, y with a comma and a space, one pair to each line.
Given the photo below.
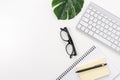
65, 36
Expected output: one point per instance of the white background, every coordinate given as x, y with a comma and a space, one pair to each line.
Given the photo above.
30, 45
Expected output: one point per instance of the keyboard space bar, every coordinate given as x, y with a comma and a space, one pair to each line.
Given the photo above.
102, 39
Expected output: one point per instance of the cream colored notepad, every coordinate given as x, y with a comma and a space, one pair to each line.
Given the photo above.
96, 73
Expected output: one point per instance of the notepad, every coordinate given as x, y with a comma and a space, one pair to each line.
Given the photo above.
96, 54
95, 73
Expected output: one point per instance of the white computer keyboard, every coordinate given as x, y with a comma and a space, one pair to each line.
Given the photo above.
102, 25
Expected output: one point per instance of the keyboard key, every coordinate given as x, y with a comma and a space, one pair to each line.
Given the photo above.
113, 31
82, 28
90, 7
101, 14
101, 28
79, 26
98, 26
87, 15
103, 19
114, 46
114, 26
104, 35
118, 28
116, 42
112, 40
94, 24
113, 21
113, 35
90, 22
118, 48
92, 13
110, 24
119, 44
91, 32
109, 19
95, 20
93, 29
106, 26
105, 31
118, 33
97, 31
109, 33
109, 38
85, 19
95, 15
116, 37
99, 22
84, 23
87, 30
88, 11
101, 33
103, 24
106, 21
94, 10
118, 24
91, 18
119, 39
98, 12
99, 17
89, 27
110, 29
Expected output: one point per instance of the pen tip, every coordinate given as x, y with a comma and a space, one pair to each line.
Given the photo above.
76, 72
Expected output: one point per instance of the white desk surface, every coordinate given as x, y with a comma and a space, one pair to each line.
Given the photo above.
30, 45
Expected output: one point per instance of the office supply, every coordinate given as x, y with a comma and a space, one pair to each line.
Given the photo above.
65, 36
70, 73
95, 72
75, 63
101, 25
93, 67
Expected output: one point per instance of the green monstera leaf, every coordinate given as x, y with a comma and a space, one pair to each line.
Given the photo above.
67, 9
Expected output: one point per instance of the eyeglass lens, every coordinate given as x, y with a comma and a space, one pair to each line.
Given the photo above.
64, 35
69, 49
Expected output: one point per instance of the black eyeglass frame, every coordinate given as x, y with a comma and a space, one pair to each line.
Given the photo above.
70, 42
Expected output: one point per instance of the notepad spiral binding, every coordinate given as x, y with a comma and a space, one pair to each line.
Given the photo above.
75, 63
